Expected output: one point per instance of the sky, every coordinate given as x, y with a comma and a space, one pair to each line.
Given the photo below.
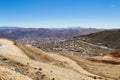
60, 13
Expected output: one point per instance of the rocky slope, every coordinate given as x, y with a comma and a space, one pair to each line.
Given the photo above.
108, 38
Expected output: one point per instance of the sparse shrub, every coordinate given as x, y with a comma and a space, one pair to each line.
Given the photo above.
4, 59
35, 68
95, 77
40, 69
53, 79
15, 43
42, 76
27, 63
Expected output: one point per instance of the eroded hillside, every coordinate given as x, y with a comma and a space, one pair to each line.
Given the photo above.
25, 62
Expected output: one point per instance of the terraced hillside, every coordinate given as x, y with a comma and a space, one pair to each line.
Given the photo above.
25, 62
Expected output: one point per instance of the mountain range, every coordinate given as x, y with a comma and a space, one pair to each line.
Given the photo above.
42, 35
8, 28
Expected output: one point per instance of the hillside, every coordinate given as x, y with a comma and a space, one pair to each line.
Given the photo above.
108, 38
25, 61
76, 45
36, 64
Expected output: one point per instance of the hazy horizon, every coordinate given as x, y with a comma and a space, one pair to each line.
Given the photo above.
100, 14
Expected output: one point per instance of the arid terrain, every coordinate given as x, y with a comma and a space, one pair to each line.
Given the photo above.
108, 38
59, 40
38, 36
25, 62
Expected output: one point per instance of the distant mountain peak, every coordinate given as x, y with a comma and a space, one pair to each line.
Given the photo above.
8, 27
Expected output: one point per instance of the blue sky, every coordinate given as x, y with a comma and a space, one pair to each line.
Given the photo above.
60, 13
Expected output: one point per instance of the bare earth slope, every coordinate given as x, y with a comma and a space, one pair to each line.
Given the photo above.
8, 47
7, 74
28, 61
